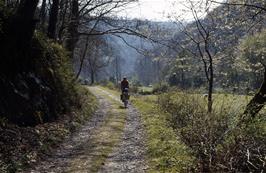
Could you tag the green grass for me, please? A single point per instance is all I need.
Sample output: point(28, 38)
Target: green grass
point(166, 153)
point(145, 89)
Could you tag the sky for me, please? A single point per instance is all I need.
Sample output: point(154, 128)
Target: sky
point(160, 10)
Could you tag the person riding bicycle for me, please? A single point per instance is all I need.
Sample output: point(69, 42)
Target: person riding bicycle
point(124, 84)
point(124, 88)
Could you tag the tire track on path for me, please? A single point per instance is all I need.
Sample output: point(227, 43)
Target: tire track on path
point(129, 155)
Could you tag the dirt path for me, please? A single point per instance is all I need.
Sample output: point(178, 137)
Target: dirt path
point(128, 156)
point(112, 141)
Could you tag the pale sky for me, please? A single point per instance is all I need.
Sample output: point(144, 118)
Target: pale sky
point(160, 10)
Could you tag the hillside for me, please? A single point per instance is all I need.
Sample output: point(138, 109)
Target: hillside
point(227, 26)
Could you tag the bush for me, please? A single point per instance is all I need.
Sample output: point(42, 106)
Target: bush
point(244, 149)
point(212, 136)
point(53, 68)
point(197, 128)
point(43, 90)
point(109, 84)
point(160, 88)
point(133, 89)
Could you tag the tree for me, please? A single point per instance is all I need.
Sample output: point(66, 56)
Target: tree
point(202, 40)
point(53, 19)
point(42, 15)
point(253, 8)
point(253, 52)
point(85, 17)
point(93, 54)
point(17, 41)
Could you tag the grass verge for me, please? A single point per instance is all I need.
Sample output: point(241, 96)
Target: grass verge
point(166, 153)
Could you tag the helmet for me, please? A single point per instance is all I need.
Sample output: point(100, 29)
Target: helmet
point(124, 78)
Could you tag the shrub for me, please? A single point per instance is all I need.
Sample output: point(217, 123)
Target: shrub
point(110, 85)
point(197, 128)
point(244, 149)
point(53, 68)
point(160, 88)
point(133, 89)
point(43, 90)
point(212, 137)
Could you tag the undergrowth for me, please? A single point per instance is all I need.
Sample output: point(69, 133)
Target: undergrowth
point(21, 147)
point(218, 141)
point(40, 106)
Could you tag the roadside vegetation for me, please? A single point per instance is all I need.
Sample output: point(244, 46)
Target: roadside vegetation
point(219, 140)
point(166, 152)
point(22, 147)
point(200, 86)
point(183, 137)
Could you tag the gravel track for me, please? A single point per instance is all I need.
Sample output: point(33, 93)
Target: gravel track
point(127, 156)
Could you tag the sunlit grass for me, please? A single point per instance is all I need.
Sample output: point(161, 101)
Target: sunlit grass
point(166, 153)
point(145, 89)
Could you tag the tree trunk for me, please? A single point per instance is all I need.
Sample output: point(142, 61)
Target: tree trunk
point(64, 6)
point(92, 77)
point(73, 27)
point(258, 101)
point(53, 17)
point(83, 57)
point(43, 15)
point(210, 89)
point(16, 40)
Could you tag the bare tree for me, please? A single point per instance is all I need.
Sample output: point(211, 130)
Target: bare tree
point(202, 40)
point(83, 13)
point(83, 57)
point(96, 54)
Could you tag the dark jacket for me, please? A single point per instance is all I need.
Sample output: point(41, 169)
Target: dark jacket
point(124, 84)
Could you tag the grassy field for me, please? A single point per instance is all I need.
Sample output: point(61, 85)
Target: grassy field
point(145, 89)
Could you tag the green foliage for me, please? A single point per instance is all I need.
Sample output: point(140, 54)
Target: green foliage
point(253, 51)
point(250, 60)
point(43, 91)
point(109, 84)
point(160, 88)
point(53, 66)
